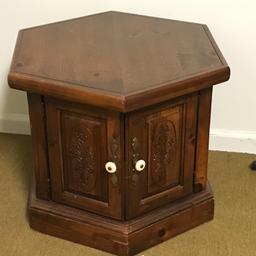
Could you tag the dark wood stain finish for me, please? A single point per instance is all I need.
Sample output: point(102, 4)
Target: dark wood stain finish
point(39, 141)
point(119, 88)
point(119, 60)
point(203, 129)
point(168, 152)
point(121, 237)
point(77, 156)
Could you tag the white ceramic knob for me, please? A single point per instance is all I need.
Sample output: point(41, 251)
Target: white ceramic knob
point(140, 165)
point(110, 167)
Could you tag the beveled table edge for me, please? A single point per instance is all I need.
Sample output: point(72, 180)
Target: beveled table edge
point(120, 102)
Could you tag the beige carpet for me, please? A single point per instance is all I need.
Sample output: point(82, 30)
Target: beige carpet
point(232, 232)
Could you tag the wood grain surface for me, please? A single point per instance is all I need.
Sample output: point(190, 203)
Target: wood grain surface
point(117, 60)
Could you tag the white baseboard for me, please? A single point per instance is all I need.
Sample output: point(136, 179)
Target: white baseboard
point(15, 123)
point(223, 140)
point(233, 141)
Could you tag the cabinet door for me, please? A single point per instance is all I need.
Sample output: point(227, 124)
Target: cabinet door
point(81, 140)
point(164, 138)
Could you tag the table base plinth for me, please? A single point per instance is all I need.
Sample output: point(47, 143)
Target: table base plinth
point(121, 237)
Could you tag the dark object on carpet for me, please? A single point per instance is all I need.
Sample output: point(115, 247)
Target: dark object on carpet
point(253, 166)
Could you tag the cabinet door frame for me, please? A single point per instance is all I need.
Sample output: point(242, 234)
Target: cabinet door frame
point(136, 203)
point(112, 207)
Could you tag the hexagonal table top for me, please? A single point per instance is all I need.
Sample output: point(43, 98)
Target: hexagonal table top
point(117, 60)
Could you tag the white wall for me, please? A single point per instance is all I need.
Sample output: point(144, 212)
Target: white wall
point(232, 23)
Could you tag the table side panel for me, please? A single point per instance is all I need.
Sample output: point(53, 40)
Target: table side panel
point(203, 129)
point(39, 142)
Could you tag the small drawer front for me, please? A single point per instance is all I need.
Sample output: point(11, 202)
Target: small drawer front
point(163, 137)
point(81, 142)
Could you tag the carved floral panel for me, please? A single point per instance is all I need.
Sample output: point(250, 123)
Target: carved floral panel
point(164, 145)
point(83, 154)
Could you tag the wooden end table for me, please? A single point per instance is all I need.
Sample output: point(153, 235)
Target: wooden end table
point(119, 107)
